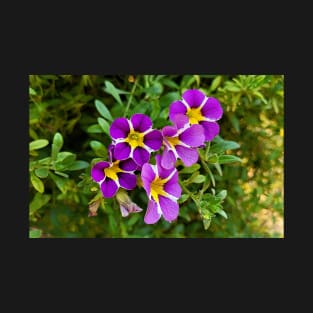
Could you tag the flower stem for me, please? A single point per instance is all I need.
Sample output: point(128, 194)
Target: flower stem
point(130, 97)
point(207, 169)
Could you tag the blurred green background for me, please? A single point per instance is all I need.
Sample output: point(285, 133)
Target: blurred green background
point(69, 119)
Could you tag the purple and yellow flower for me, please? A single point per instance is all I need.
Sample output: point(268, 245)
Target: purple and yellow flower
point(200, 110)
point(135, 138)
point(181, 141)
point(163, 190)
point(114, 174)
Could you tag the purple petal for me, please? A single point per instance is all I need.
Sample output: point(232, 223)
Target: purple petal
point(169, 131)
point(163, 172)
point(211, 130)
point(168, 159)
point(119, 128)
point(110, 152)
point(152, 215)
point(153, 140)
point(180, 120)
point(212, 109)
point(128, 165)
point(189, 156)
point(127, 181)
point(141, 156)
point(141, 122)
point(122, 151)
point(193, 97)
point(170, 209)
point(147, 176)
point(97, 171)
point(193, 136)
point(177, 107)
point(109, 188)
point(172, 186)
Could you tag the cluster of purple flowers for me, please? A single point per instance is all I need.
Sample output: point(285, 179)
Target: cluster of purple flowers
point(133, 140)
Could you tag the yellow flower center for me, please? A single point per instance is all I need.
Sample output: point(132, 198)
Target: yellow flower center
point(173, 141)
point(195, 115)
point(157, 188)
point(135, 139)
point(112, 171)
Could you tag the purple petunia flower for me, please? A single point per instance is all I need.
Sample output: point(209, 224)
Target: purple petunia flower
point(181, 141)
point(114, 174)
point(200, 110)
point(163, 190)
point(135, 138)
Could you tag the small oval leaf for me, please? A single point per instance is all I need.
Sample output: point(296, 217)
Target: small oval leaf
point(38, 144)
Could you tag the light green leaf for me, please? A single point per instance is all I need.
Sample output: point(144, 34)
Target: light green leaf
point(199, 179)
point(35, 233)
point(104, 125)
point(32, 91)
point(183, 198)
point(228, 159)
point(223, 146)
point(56, 145)
point(38, 144)
point(37, 183)
point(62, 174)
point(95, 128)
point(110, 89)
point(42, 172)
point(222, 194)
point(103, 110)
point(38, 201)
point(98, 148)
point(223, 213)
point(59, 181)
point(191, 169)
point(78, 165)
point(216, 82)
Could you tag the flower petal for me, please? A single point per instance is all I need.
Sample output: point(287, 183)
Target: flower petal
point(128, 165)
point(177, 107)
point(193, 97)
point(189, 156)
point(170, 209)
point(211, 130)
point(193, 136)
point(141, 156)
point(169, 131)
point(162, 172)
point(212, 109)
point(119, 128)
point(127, 180)
point(109, 188)
point(180, 120)
point(172, 186)
point(147, 176)
point(153, 140)
point(122, 151)
point(168, 159)
point(141, 122)
point(152, 215)
point(110, 152)
point(97, 171)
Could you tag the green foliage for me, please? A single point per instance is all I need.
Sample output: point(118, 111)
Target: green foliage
point(235, 189)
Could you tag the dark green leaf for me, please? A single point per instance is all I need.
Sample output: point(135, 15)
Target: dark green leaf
point(38, 144)
point(110, 89)
point(95, 128)
point(98, 148)
point(37, 183)
point(62, 174)
point(228, 159)
point(78, 165)
point(103, 110)
point(190, 169)
point(223, 146)
point(59, 181)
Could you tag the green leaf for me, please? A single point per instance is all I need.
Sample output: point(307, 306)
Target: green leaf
point(32, 91)
point(223, 146)
point(213, 158)
point(37, 183)
point(104, 125)
point(234, 121)
point(110, 89)
point(191, 169)
point(183, 198)
point(56, 145)
point(199, 179)
point(38, 144)
point(59, 181)
point(216, 82)
point(207, 223)
point(223, 213)
point(95, 128)
point(38, 201)
point(103, 110)
point(222, 194)
point(64, 160)
point(222, 159)
point(42, 172)
point(78, 165)
point(62, 174)
point(35, 233)
point(98, 148)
